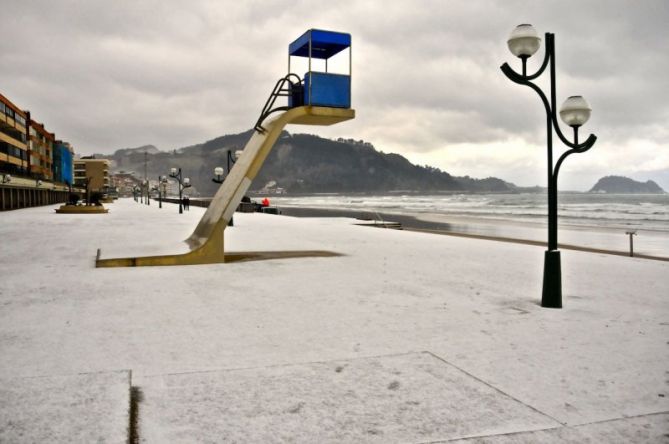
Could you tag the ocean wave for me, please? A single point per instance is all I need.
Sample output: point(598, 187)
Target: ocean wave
point(646, 211)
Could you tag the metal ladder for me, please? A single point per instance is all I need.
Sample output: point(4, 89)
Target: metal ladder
point(285, 87)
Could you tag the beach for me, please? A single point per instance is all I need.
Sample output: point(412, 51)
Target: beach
point(590, 222)
point(404, 336)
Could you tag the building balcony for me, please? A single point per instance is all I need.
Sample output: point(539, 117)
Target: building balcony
point(8, 122)
point(12, 141)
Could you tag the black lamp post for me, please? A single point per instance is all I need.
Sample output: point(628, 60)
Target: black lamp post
point(156, 189)
point(231, 159)
point(218, 175)
point(218, 172)
point(147, 187)
point(218, 178)
point(523, 43)
point(162, 180)
point(183, 183)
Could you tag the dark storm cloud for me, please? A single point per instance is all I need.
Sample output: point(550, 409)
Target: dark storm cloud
point(106, 75)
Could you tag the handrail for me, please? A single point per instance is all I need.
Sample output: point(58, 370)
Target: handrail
point(280, 90)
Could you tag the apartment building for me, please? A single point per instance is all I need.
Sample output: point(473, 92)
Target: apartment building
point(13, 139)
point(63, 155)
point(97, 170)
point(27, 168)
point(40, 145)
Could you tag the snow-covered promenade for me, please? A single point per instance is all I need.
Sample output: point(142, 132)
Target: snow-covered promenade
point(406, 337)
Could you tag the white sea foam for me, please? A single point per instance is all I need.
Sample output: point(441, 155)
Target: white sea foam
point(645, 212)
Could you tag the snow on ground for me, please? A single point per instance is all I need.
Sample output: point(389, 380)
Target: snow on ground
point(77, 408)
point(401, 398)
point(471, 304)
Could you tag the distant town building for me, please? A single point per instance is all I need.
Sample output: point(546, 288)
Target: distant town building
point(125, 181)
point(95, 169)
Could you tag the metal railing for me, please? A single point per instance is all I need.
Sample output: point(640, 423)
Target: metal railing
point(285, 87)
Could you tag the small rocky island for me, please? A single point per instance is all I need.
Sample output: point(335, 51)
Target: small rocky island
point(625, 185)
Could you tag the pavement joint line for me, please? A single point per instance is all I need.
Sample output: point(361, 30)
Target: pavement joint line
point(467, 438)
point(601, 421)
point(561, 424)
point(288, 364)
point(536, 243)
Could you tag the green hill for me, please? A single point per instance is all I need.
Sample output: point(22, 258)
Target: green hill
point(304, 163)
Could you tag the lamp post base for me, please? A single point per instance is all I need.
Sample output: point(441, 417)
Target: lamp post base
point(552, 291)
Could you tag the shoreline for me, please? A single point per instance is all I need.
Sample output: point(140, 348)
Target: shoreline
point(458, 228)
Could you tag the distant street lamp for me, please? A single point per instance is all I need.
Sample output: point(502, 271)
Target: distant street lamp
point(148, 191)
point(156, 189)
point(183, 183)
point(575, 111)
point(231, 159)
point(218, 178)
point(218, 175)
point(163, 186)
point(162, 180)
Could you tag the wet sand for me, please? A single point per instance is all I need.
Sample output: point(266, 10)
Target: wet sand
point(462, 227)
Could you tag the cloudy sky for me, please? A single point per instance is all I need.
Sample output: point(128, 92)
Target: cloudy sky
point(426, 80)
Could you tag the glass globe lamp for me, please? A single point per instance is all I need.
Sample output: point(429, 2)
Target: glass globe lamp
point(524, 41)
point(575, 111)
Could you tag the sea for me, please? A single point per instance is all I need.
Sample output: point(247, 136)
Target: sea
point(585, 219)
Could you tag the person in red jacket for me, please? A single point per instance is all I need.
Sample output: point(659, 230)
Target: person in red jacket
point(265, 202)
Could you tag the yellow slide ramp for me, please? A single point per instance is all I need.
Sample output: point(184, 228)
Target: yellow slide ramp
point(206, 243)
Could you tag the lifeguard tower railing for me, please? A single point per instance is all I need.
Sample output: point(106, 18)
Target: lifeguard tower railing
point(317, 88)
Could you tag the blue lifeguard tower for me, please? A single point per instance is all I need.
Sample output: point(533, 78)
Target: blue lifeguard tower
point(321, 97)
point(318, 87)
point(322, 88)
